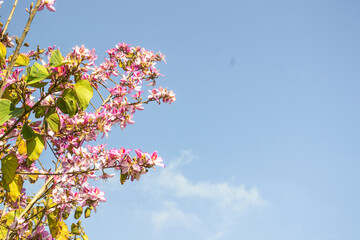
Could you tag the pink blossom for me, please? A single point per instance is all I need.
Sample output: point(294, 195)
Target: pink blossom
point(48, 4)
point(8, 41)
point(138, 153)
point(40, 233)
point(125, 76)
point(156, 160)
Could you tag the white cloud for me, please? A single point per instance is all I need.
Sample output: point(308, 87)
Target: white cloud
point(197, 205)
point(171, 215)
point(224, 195)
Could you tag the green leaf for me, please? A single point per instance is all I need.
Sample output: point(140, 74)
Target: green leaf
point(11, 94)
point(21, 146)
point(123, 178)
point(22, 60)
point(54, 121)
point(2, 50)
point(40, 111)
point(84, 92)
point(65, 215)
point(3, 232)
point(78, 212)
point(75, 229)
point(8, 110)
point(60, 103)
point(85, 237)
point(11, 215)
point(39, 84)
point(27, 132)
point(33, 178)
point(14, 188)
point(87, 212)
point(68, 103)
point(63, 233)
point(56, 59)
point(37, 73)
point(9, 165)
point(52, 221)
point(58, 229)
point(34, 147)
point(7, 220)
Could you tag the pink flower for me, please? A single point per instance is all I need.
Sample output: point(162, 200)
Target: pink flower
point(49, 5)
point(125, 164)
point(157, 160)
point(138, 153)
point(8, 41)
point(135, 67)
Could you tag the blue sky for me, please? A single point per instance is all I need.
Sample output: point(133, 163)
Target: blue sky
point(263, 140)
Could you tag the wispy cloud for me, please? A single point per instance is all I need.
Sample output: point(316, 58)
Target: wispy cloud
point(197, 206)
point(171, 215)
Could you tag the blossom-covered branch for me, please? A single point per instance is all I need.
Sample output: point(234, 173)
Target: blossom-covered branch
point(60, 119)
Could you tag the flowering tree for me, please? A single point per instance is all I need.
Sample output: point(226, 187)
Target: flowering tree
point(45, 98)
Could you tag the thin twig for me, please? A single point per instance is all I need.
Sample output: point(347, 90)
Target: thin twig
point(41, 165)
point(18, 46)
point(22, 116)
point(9, 18)
point(92, 105)
point(50, 180)
point(3, 212)
point(112, 81)
point(104, 86)
point(100, 94)
point(52, 150)
point(67, 173)
point(104, 102)
point(37, 196)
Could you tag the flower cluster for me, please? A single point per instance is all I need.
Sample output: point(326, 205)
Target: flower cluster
point(46, 102)
point(60, 119)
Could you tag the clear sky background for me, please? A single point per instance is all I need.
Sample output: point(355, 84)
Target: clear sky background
point(263, 140)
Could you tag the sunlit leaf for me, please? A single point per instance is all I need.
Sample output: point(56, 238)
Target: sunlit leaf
point(63, 232)
point(75, 229)
point(67, 104)
point(2, 50)
point(78, 212)
point(56, 59)
point(37, 73)
point(8, 110)
point(21, 145)
point(54, 121)
point(9, 165)
point(84, 92)
point(14, 188)
point(33, 178)
point(35, 147)
point(11, 94)
point(87, 212)
point(58, 229)
point(3, 232)
point(22, 60)
point(7, 220)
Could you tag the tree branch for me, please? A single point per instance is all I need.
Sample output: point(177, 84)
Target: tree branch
point(9, 18)
point(18, 46)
